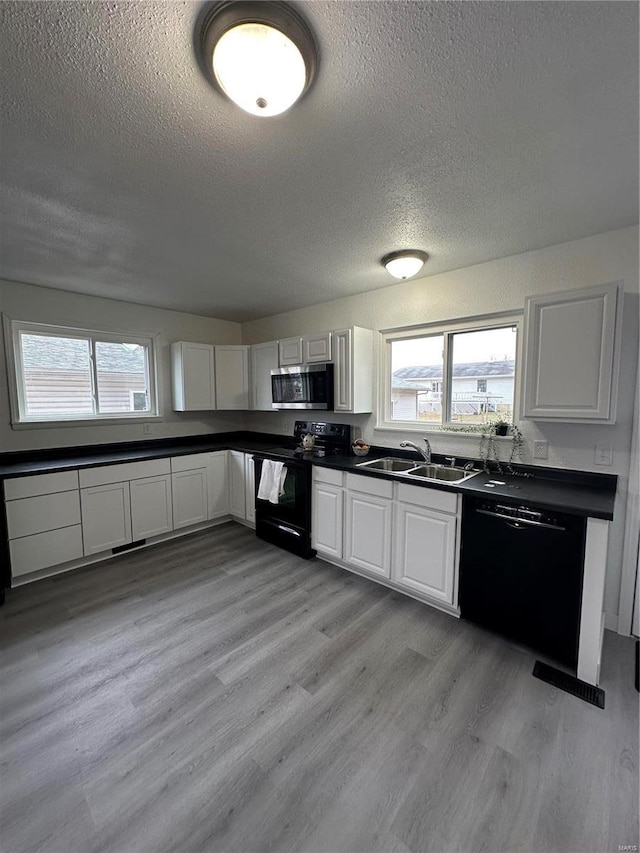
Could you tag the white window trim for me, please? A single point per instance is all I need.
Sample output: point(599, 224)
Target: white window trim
point(480, 323)
point(12, 330)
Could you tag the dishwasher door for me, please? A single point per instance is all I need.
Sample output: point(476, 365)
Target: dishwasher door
point(521, 574)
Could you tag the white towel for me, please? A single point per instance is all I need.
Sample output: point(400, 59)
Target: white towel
point(271, 481)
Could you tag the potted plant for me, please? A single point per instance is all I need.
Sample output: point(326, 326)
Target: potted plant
point(500, 426)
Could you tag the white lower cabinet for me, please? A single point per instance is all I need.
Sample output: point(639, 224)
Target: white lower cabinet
point(151, 507)
point(326, 526)
point(367, 541)
point(242, 501)
point(249, 489)
point(106, 517)
point(404, 533)
point(424, 553)
point(237, 501)
point(327, 510)
point(42, 550)
point(189, 490)
point(217, 484)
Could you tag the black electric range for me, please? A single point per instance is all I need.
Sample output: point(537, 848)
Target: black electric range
point(286, 521)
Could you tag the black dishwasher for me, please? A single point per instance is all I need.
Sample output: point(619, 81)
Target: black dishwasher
point(521, 574)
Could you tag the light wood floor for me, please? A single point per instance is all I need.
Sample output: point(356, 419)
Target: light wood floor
point(218, 694)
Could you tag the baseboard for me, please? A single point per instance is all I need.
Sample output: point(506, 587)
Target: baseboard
point(82, 562)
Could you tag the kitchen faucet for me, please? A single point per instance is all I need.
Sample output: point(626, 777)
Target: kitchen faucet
point(426, 454)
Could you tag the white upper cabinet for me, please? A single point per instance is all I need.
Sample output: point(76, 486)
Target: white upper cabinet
point(353, 370)
point(264, 359)
point(232, 377)
point(290, 351)
point(193, 377)
point(572, 351)
point(316, 348)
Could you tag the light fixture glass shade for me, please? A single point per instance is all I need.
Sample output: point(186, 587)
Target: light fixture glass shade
point(259, 68)
point(404, 264)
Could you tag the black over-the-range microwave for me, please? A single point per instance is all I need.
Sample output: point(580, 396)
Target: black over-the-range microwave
point(304, 386)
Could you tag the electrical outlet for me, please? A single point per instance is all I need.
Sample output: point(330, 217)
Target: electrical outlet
point(603, 454)
point(540, 449)
point(147, 429)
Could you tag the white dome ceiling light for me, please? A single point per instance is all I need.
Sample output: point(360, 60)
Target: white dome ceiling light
point(404, 264)
point(260, 54)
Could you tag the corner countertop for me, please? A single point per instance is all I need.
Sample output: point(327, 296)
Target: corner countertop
point(574, 492)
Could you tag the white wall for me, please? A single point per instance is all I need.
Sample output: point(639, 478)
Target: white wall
point(496, 286)
point(44, 305)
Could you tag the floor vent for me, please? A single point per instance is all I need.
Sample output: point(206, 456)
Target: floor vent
point(569, 683)
point(128, 546)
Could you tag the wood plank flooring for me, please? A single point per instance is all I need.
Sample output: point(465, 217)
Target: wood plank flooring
point(219, 694)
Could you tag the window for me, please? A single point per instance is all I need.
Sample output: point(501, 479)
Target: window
point(462, 374)
point(72, 374)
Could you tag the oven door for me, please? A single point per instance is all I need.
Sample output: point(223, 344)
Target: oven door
point(287, 523)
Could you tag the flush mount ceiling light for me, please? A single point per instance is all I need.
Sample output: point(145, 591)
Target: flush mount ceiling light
point(260, 54)
point(405, 263)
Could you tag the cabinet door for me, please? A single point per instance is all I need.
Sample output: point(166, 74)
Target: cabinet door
point(290, 350)
point(106, 517)
point(342, 390)
point(368, 534)
point(218, 484)
point(249, 489)
point(151, 506)
point(424, 553)
point(316, 348)
point(189, 489)
point(326, 525)
point(193, 377)
point(232, 377)
point(237, 501)
point(44, 512)
point(571, 355)
point(264, 359)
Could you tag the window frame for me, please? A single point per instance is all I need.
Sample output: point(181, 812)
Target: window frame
point(15, 373)
point(447, 329)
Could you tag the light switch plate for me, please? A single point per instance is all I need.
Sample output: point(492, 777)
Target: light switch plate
point(603, 454)
point(540, 449)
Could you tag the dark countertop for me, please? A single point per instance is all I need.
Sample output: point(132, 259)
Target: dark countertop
point(64, 459)
point(574, 492)
point(581, 494)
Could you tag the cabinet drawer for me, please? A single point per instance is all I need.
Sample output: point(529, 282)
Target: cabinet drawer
point(370, 485)
point(328, 475)
point(106, 474)
point(40, 484)
point(45, 549)
point(430, 498)
point(190, 462)
point(45, 512)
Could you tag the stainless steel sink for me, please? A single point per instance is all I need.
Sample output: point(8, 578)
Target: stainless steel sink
point(406, 468)
point(441, 472)
point(388, 463)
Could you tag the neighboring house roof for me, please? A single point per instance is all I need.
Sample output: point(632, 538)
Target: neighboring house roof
point(471, 369)
point(405, 384)
point(47, 353)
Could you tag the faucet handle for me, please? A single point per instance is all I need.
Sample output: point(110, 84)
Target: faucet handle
point(451, 459)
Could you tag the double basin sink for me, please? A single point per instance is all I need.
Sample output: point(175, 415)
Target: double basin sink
point(418, 471)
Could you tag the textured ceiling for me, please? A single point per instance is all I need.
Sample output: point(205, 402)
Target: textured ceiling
point(472, 130)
